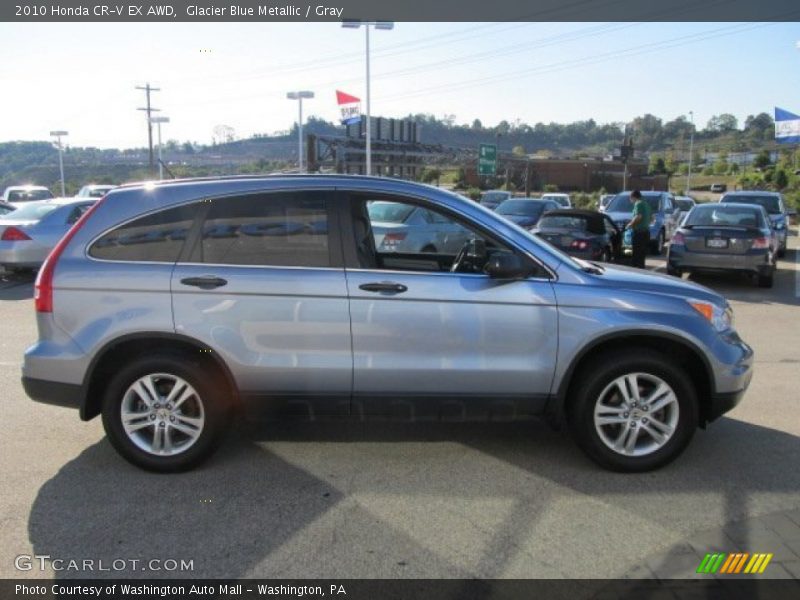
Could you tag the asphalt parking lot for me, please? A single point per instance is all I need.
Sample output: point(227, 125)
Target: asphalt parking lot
point(348, 500)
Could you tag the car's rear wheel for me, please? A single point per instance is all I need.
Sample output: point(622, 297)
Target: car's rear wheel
point(636, 415)
point(782, 252)
point(163, 413)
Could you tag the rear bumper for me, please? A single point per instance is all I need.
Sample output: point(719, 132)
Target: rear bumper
point(53, 392)
point(708, 261)
point(22, 254)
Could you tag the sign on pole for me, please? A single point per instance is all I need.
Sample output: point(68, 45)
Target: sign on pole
point(487, 159)
point(350, 106)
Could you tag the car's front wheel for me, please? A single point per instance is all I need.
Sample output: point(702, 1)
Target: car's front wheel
point(163, 413)
point(633, 412)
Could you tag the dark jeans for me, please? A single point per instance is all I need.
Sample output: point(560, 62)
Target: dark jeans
point(641, 243)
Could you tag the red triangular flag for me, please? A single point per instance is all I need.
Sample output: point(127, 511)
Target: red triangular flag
point(342, 98)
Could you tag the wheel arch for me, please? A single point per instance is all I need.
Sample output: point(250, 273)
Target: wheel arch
point(118, 351)
point(688, 355)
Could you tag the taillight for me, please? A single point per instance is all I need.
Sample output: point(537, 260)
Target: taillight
point(579, 245)
point(760, 243)
point(12, 234)
point(43, 289)
point(678, 239)
point(392, 239)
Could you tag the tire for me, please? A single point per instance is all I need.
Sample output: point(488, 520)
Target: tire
point(766, 281)
point(781, 252)
point(674, 272)
point(192, 424)
point(658, 246)
point(598, 392)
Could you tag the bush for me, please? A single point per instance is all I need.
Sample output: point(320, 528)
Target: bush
point(550, 187)
point(781, 179)
point(473, 193)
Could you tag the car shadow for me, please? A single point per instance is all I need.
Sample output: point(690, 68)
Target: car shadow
point(16, 286)
point(307, 482)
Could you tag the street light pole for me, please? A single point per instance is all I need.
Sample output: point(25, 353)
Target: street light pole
point(58, 135)
point(299, 97)
point(368, 129)
point(158, 121)
point(691, 155)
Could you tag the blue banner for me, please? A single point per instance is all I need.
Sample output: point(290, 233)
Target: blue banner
point(787, 127)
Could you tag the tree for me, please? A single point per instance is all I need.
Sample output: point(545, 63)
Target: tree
point(429, 175)
point(657, 165)
point(758, 124)
point(723, 123)
point(518, 151)
point(762, 160)
point(477, 125)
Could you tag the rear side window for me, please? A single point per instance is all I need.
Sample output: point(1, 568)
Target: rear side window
point(283, 229)
point(157, 237)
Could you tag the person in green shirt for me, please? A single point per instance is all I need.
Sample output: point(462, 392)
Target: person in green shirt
point(640, 224)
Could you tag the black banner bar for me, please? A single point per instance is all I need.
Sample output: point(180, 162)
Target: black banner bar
point(405, 10)
point(733, 587)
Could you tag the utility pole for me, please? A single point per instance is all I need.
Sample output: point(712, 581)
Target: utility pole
point(691, 152)
point(149, 110)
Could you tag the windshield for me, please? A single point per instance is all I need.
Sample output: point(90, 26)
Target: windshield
point(771, 203)
point(31, 212)
point(522, 208)
point(563, 222)
point(389, 212)
point(622, 202)
point(715, 215)
point(28, 195)
point(684, 204)
point(495, 196)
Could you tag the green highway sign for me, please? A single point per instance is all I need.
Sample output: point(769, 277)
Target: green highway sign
point(487, 159)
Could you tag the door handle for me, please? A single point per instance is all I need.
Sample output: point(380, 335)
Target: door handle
point(384, 286)
point(205, 283)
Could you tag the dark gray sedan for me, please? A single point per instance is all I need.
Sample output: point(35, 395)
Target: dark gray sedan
point(586, 234)
point(725, 237)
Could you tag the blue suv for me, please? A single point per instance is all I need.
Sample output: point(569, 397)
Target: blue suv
point(168, 307)
point(666, 215)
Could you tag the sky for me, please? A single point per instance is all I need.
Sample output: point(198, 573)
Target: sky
point(81, 77)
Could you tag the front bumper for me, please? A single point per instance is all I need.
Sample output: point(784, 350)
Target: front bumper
point(733, 374)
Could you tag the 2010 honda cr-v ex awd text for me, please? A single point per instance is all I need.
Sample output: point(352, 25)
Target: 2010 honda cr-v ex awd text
point(168, 307)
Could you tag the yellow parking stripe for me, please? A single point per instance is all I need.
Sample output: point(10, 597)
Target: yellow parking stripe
point(754, 562)
point(766, 562)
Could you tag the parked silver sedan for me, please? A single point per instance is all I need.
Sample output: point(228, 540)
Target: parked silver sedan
point(405, 228)
point(29, 233)
point(725, 237)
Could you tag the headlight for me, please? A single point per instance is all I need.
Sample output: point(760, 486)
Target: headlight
point(779, 225)
point(721, 319)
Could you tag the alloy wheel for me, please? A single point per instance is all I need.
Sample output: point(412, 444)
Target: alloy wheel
point(162, 414)
point(636, 414)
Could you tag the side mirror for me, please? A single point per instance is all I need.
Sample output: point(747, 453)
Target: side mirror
point(507, 266)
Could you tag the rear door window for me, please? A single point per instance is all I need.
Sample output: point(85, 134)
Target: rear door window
point(157, 237)
point(282, 229)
